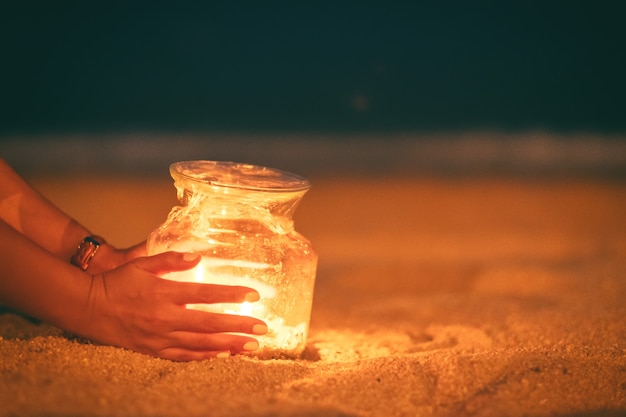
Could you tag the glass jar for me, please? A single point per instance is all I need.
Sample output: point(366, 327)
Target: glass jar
point(240, 218)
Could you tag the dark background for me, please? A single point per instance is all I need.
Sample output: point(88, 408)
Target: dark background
point(351, 67)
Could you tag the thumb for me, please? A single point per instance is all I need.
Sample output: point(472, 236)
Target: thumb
point(163, 263)
point(137, 251)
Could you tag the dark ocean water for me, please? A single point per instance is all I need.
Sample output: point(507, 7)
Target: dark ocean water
point(349, 67)
point(477, 153)
point(371, 73)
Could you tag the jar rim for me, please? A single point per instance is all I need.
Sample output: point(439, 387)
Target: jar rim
point(239, 175)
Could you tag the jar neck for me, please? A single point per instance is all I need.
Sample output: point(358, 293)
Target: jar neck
point(272, 209)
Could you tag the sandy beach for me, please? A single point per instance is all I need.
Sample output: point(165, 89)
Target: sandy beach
point(482, 296)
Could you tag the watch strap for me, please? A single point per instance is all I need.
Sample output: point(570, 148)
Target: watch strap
point(86, 251)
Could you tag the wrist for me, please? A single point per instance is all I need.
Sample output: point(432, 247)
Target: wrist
point(105, 260)
point(86, 251)
point(72, 237)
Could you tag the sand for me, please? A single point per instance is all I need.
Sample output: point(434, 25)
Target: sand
point(434, 297)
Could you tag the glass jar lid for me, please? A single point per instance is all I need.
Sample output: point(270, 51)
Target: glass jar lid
point(239, 175)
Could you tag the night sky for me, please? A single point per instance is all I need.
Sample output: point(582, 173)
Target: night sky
point(71, 67)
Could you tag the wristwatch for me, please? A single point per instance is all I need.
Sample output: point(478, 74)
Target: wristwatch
point(86, 250)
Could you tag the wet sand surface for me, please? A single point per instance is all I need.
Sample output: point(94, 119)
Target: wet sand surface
point(434, 297)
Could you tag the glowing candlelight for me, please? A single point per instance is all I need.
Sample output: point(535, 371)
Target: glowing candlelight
point(239, 217)
point(280, 336)
point(198, 275)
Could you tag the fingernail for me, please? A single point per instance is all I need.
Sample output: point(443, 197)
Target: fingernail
point(190, 256)
point(259, 329)
point(252, 345)
point(252, 296)
point(223, 355)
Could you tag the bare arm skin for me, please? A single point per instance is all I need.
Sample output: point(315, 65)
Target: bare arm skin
point(32, 215)
point(122, 301)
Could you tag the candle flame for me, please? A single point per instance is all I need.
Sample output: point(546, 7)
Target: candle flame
point(243, 309)
point(246, 308)
point(199, 274)
point(281, 336)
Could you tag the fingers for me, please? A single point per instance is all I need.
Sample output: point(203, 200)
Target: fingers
point(175, 332)
point(213, 344)
point(167, 262)
point(186, 346)
point(198, 335)
point(204, 322)
point(136, 251)
point(208, 335)
point(197, 293)
point(178, 354)
point(192, 293)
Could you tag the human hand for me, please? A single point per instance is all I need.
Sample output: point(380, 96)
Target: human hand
point(109, 257)
point(133, 307)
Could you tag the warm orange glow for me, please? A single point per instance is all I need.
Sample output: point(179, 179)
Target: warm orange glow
point(239, 218)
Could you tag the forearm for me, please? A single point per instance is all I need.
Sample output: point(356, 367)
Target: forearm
point(32, 215)
point(37, 283)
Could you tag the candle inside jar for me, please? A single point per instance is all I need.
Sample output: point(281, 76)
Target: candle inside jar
point(239, 217)
point(281, 337)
